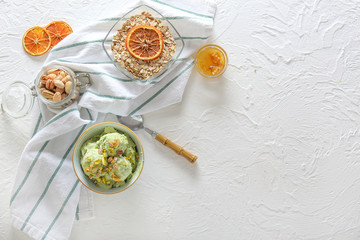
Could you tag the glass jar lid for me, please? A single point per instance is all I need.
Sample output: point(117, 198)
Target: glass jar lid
point(18, 99)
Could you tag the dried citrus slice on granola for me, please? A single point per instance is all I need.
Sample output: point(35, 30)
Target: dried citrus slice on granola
point(58, 30)
point(36, 41)
point(144, 42)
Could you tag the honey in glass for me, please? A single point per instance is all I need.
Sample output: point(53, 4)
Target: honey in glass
point(211, 61)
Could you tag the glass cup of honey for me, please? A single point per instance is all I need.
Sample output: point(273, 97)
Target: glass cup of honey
point(211, 61)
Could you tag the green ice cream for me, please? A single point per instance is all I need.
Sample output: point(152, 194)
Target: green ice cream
point(109, 159)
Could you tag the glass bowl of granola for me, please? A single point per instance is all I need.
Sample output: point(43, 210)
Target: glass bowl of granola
point(143, 45)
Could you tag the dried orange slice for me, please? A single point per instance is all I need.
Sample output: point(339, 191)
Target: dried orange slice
point(144, 42)
point(58, 30)
point(36, 41)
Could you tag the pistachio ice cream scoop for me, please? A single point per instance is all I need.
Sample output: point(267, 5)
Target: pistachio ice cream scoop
point(109, 159)
point(113, 143)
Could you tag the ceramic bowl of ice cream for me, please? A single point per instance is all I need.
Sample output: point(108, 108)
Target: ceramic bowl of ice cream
point(108, 158)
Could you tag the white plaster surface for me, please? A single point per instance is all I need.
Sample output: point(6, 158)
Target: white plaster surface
point(277, 135)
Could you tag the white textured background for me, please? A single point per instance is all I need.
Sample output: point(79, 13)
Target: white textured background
point(277, 136)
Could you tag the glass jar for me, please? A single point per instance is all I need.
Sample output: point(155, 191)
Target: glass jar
point(211, 61)
point(18, 98)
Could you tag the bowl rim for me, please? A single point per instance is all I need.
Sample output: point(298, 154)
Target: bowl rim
point(149, 80)
point(73, 164)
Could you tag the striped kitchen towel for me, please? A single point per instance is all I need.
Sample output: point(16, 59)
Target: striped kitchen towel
point(47, 197)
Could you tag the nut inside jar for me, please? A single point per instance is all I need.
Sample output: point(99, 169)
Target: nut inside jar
point(58, 86)
point(55, 85)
